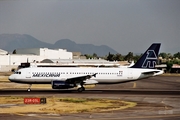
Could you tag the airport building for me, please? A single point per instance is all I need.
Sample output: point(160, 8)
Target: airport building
point(76, 63)
point(46, 53)
point(44, 57)
point(9, 61)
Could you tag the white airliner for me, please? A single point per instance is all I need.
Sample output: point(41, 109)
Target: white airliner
point(71, 77)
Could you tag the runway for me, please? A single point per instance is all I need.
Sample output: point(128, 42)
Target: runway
point(160, 85)
point(157, 98)
point(89, 92)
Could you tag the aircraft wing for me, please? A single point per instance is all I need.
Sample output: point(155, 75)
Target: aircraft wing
point(80, 79)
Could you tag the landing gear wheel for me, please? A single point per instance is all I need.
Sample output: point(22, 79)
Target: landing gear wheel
point(81, 89)
point(29, 89)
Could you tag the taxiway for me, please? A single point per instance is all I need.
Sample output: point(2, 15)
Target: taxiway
point(157, 98)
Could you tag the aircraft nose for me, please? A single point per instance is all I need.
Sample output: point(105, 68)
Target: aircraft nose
point(11, 77)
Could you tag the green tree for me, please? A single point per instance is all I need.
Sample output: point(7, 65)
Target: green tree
point(169, 66)
point(129, 56)
point(110, 57)
point(177, 55)
point(169, 56)
point(95, 56)
point(176, 61)
point(136, 58)
point(118, 57)
point(163, 55)
point(88, 56)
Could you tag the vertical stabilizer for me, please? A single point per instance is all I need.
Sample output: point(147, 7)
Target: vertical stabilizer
point(149, 58)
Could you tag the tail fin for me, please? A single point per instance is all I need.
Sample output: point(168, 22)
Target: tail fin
point(149, 58)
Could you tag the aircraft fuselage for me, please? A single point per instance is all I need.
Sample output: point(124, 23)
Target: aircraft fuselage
point(39, 75)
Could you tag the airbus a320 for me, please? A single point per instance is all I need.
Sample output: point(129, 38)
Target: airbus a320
point(76, 77)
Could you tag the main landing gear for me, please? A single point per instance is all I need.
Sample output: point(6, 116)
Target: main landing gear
point(81, 89)
point(29, 89)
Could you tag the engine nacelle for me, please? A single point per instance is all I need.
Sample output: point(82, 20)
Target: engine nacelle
point(90, 82)
point(58, 84)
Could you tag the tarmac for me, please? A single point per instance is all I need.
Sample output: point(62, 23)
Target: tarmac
point(157, 98)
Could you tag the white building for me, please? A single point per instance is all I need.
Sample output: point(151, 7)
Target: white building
point(77, 62)
point(9, 61)
point(47, 53)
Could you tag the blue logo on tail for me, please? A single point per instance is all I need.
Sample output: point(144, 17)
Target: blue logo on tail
point(150, 60)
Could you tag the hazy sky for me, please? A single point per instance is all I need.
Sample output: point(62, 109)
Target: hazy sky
point(124, 25)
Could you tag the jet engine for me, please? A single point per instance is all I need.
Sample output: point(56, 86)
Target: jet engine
point(58, 84)
point(90, 82)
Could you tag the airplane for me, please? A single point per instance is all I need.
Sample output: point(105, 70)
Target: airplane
point(76, 77)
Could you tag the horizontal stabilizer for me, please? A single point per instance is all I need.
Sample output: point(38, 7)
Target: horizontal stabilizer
point(149, 73)
point(154, 73)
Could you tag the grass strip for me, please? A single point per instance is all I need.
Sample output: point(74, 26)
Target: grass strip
point(59, 105)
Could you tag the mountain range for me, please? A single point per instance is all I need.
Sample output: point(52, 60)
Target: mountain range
point(10, 42)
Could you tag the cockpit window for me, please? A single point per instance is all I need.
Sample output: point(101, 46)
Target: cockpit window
point(17, 72)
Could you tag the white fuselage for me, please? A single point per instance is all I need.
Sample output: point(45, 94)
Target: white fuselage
point(44, 75)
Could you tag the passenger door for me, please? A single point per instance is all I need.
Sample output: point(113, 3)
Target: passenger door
point(28, 73)
point(130, 74)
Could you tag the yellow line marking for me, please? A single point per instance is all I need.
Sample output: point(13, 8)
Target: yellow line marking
point(134, 85)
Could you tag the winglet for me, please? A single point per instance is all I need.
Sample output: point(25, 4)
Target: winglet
point(149, 58)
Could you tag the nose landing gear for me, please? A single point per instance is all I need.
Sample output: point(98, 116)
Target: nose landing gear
point(29, 89)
